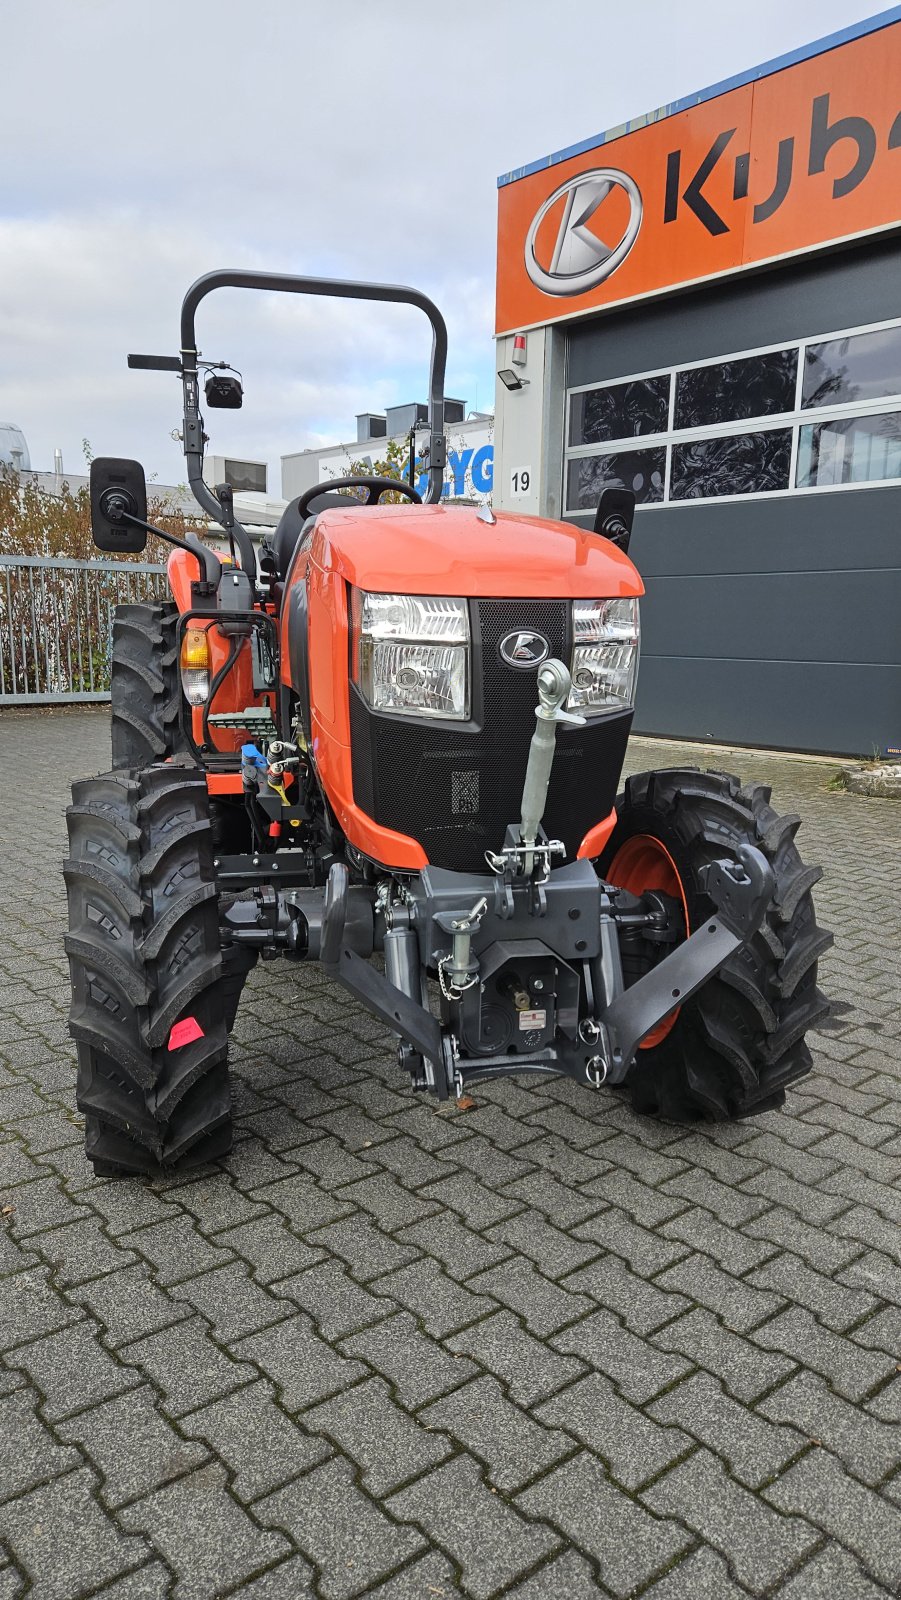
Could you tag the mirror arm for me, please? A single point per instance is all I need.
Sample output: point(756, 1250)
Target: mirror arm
point(210, 565)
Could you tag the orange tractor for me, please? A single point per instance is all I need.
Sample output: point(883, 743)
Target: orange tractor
point(397, 731)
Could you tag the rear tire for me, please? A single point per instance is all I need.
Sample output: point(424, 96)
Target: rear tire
point(145, 691)
point(148, 993)
point(737, 1044)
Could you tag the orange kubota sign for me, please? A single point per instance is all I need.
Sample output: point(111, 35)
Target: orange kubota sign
point(803, 157)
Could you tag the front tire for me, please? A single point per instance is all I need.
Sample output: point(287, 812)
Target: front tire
point(735, 1046)
point(148, 1001)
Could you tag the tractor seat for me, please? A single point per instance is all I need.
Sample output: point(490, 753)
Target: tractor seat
point(290, 527)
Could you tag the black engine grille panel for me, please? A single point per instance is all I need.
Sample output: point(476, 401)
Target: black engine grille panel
point(455, 788)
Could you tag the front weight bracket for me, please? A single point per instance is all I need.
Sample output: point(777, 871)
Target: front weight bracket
point(740, 891)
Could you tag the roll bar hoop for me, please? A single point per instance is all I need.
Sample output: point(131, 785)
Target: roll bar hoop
point(287, 283)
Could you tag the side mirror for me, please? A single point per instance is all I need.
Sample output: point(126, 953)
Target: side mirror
point(223, 390)
point(614, 515)
point(118, 488)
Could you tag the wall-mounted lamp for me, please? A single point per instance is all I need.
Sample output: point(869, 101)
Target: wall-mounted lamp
point(511, 379)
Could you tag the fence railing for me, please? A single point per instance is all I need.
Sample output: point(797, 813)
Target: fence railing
point(56, 624)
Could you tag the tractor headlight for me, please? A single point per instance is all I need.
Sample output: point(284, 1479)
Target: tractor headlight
point(604, 663)
point(411, 654)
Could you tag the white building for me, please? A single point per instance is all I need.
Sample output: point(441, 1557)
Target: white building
point(469, 474)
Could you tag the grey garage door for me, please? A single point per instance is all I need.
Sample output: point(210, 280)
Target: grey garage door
point(759, 423)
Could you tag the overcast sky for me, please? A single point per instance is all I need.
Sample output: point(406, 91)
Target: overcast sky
point(147, 141)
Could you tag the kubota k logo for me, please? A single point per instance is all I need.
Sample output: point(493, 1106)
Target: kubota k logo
point(583, 257)
point(524, 649)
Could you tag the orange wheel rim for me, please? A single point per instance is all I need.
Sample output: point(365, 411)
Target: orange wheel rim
point(640, 864)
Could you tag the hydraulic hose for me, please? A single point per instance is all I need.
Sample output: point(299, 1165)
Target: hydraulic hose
point(233, 648)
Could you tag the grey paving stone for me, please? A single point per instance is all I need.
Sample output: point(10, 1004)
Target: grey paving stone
point(492, 1545)
point(648, 1207)
point(29, 1307)
point(387, 1444)
point(330, 1162)
point(216, 1202)
point(819, 1488)
point(632, 1446)
point(483, 1159)
point(863, 1224)
point(637, 1368)
point(63, 1540)
point(261, 1446)
point(298, 1198)
point(851, 1370)
point(703, 1575)
point(349, 1539)
point(880, 1275)
point(760, 1547)
point(570, 1575)
point(544, 1306)
point(389, 1202)
point(530, 1370)
point(270, 1248)
point(461, 1250)
point(645, 1250)
point(477, 1204)
point(555, 1252)
point(831, 1572)
point(823, 1249)
point(148, 1583)
point(868, 1447)
point(31, 1455)
point(881, 1332)
point(302, 1365)
point(561, 1205)
point(734, 1300)
point(203, 1534)
point(187, 1365)
point(129, 1204)
point(628, 1543)
point(813, 1203)
point(642, 1306)
point(291, 1578)
point(72, 1370)
point(753, 1449)
point(337, 1304)
point(830, 1301)
point(701, 1148)
point(129, 1304)
point(430, 1576)
point(441, 1305)
point(512, 1447)
point(132, 1445)
point(12, 1584)
point(231, 1302)
point(250, 1162)
point(745, 1369)
point(731, 1248)
point(367, 1250)
point(176, 1249)
point(733, 1206)
point(417, 1367)
point(412, 1165)
point(16, 1166)
point(80, 1251)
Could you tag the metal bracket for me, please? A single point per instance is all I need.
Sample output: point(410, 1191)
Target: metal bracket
point(740, 891)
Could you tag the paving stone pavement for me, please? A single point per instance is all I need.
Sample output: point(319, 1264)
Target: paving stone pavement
point(539, 1348)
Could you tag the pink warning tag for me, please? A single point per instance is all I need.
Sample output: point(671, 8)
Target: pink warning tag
point(184, 1032)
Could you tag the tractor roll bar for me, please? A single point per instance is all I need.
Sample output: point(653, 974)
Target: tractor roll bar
point(288, 283)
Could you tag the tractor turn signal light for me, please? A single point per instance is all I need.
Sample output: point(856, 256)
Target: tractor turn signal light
point(195, 666)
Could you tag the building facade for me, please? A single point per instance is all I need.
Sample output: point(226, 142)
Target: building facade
point(710, 300)
point(469, 474)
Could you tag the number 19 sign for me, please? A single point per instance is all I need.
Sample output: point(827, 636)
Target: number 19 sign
point(520, 483)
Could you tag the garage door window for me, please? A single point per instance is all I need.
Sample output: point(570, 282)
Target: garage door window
point(824, 413)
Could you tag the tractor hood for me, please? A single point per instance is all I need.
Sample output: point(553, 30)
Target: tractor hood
point(452, 550)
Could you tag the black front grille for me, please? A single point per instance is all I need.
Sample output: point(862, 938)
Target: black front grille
point(456, 788)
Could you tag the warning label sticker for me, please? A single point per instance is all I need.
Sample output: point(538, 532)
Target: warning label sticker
point(532, 1019)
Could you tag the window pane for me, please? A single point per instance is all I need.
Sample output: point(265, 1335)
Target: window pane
point(866, 366)
point(755, 386)
point(850, 450)
point(642, 471)
point(619, 411)
point(744, 463)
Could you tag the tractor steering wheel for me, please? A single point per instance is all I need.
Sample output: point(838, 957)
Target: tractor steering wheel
point(376, 486)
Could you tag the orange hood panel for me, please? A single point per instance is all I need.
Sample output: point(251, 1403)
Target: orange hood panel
point(450, 550)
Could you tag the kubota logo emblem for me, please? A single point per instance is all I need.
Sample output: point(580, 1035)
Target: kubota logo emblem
point(582, 256)
point(524, 649)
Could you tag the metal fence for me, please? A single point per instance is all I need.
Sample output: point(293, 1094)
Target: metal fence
point(56, 624)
